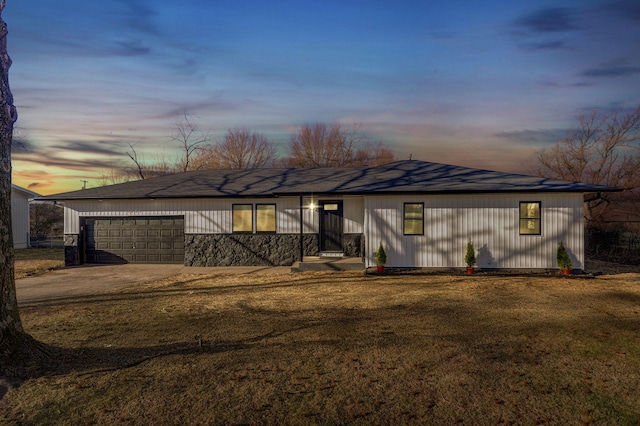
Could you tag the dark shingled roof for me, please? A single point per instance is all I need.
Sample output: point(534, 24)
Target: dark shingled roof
point(401, 177)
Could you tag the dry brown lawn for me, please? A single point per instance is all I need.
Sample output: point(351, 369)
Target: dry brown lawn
point(35, 261)
point(340, 348)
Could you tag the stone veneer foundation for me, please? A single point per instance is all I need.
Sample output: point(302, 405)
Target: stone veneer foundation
point(257, 249)
point(240, 249)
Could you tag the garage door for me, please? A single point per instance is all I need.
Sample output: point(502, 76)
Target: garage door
point(134, 240)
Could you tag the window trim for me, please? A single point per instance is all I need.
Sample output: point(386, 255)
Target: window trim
point(404, 217)
point(275, 218)
point(233, 225)
point(521, 218)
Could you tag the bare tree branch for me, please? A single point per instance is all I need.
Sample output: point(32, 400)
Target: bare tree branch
point(319, 145)
point(188, 136)
point(239, 149)
point(139, 167)
point(605, 150)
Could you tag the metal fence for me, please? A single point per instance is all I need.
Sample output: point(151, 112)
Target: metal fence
point(46, 241)
point(617, 241)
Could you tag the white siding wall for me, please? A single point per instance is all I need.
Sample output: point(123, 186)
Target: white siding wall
point(20, 218)
point(213, 216)
point(353, 215)
point(491, 222)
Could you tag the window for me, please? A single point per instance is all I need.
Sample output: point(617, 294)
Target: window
point(265, 218)
point(242, 218)
point(530, 218)
point(330, 207)
point(413, 222)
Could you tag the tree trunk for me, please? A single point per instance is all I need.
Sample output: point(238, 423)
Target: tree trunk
point(14, 341)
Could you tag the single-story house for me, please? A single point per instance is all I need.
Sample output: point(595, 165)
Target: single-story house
point(423, 214)
point(20, 215)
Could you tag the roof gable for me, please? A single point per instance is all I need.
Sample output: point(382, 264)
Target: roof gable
point(24, 191)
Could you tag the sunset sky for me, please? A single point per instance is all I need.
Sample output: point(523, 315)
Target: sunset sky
point(478, 84)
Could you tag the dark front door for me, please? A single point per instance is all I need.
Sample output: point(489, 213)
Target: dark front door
point(331, 226)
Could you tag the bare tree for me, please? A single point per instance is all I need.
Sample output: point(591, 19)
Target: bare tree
point(16, 346)
point(239, 149)
point(373, 154)
point(604, 150)
point(319, 145)
point(139, 166)
point(142, 169)
point(190, 140)
point(115, 174)
point(45, 218)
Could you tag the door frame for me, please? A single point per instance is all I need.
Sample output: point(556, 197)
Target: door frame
point(321, 239)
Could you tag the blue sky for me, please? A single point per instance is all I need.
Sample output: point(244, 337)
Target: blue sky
point(479, 84)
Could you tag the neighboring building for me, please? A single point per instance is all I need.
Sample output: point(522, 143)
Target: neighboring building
point(423, 213)
point(20, 215)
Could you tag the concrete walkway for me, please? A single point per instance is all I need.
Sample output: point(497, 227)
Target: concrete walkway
point(99, 279)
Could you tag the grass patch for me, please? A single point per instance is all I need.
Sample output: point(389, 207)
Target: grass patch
point(336, 348)
point(34, 261)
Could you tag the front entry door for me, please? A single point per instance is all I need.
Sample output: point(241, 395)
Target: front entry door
point(331, 226)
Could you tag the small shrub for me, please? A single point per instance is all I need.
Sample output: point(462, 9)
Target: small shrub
point(381, 256)
point(563, 258)
point(470, 255)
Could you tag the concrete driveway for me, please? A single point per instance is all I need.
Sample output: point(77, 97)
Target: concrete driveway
point(99, 279)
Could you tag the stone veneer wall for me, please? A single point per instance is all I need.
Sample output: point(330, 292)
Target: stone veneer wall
point(71, 250)
point(246, 249)
point(353, 245)
point(257, 249)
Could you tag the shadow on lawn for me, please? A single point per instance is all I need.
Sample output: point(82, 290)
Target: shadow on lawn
point(87, 361)
point(496, 327)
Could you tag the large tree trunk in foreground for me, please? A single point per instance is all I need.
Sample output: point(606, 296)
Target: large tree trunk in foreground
point(15, 344)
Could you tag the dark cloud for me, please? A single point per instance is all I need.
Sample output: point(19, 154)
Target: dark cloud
point(550, 20)
point(629, 9)
point(545, 45)
point(441, 35)
point(131, 48)
point(612, 71)
point(209, 106)
point(544, 29)
point(559, 85)
point(534, 137)
point(35, 185)
point(91, 47)
point(614, 107)
point(139, 16)
point(21, 144)
point(92, 148)
point(127, 48)
point(73, 155)
point(57, 159)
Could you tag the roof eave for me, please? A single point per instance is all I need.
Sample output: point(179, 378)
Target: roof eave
point(334, 193)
